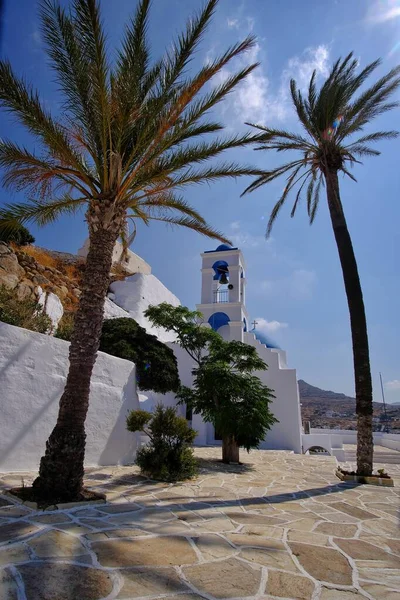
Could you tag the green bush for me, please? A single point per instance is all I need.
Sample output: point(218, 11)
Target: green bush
point(168, 456)
point(19, 235)
point(22, 313)
point(156, 365)
point(65, 327)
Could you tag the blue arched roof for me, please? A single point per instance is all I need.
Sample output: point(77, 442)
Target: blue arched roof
point(264, 339)
point(222, 247)
point(218, 319)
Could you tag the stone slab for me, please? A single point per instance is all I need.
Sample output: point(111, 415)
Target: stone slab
point(64, 582)
point(323, 563)
point(286, 585)
point(12, 531)
point(56, 544)
point(270, 557)
point(165, 551)
point(225, 579)
point(150, 582)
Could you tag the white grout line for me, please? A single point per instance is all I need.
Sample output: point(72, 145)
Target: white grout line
point(21, 595)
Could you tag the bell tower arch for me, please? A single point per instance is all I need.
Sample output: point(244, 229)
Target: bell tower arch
point(223, 286)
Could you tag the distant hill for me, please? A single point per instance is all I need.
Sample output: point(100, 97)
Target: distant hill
point(310, 391)
point(324, 408)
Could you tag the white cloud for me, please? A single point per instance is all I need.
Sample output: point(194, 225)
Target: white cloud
point(233, 23)
point(383, 11)
point(301, 67)
point(269, 326)
point(235, 225)
point(255, 101)
point(393, 385)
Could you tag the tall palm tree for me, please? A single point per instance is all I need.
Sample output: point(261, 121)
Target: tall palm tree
point(126, 141)
point(330, 117)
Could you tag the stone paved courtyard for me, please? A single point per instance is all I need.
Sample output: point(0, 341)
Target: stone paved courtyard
point(278, 526)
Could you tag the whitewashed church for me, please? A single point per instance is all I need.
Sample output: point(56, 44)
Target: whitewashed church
point(34, 366)
point(223, 305)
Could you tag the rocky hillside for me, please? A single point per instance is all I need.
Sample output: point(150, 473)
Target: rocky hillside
point(26, 269)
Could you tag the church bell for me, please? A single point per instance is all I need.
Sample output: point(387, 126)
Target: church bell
point(223, 279)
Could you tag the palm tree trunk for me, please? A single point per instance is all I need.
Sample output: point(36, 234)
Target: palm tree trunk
point(61, 468)
point(359, 334)
point(230, 450)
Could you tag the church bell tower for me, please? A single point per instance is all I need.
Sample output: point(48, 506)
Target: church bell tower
point(223, 292)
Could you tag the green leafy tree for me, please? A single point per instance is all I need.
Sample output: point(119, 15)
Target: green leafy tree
point(168, 455)
point(332, 117)
point(156, 364)
point(225, 390)
point(133, 132)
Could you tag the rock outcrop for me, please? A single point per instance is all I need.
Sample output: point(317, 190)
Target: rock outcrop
point(21, 272)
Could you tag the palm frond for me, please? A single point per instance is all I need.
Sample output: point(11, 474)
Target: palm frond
point(291, 181)
point(41, 213)
point(167, 201)
point(330, 115)
point(298, 195)
point(315, 201)
point(185, 46)
point(21, 101)
point(71, 67)
point(375, 137)
point(25, 171)
point(268, 176)
point(194, 224)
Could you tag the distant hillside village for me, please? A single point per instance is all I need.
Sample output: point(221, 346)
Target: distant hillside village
point(331, 410)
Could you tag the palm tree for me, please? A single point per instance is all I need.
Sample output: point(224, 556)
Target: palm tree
point(127, 140)
point(330, 117)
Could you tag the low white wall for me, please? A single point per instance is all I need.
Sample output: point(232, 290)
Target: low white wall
point(347, 436)
point(390, 440)
point(33, 369)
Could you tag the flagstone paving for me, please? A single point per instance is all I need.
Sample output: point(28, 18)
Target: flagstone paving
point(277, 526)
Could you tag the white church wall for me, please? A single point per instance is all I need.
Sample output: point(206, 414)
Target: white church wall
point(285, 435)
point(138, 292)
point(113, 311)
point(150, 399)
point(33, 369)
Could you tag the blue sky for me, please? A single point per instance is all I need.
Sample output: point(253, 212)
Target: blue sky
point(295, 287)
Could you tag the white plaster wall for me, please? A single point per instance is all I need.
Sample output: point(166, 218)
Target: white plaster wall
point(113, 311)
point(150, 399)
point(132, 264)
point(138, 292)
point(348, 436)
point(285, 435)
point(33, 370)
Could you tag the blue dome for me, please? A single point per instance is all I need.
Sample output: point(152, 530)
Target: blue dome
point(264, 339)
point(222, 247)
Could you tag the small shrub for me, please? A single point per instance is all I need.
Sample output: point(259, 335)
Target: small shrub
point(19, 236)
point(168, 455)
point(22, 313)
point(65, 327)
